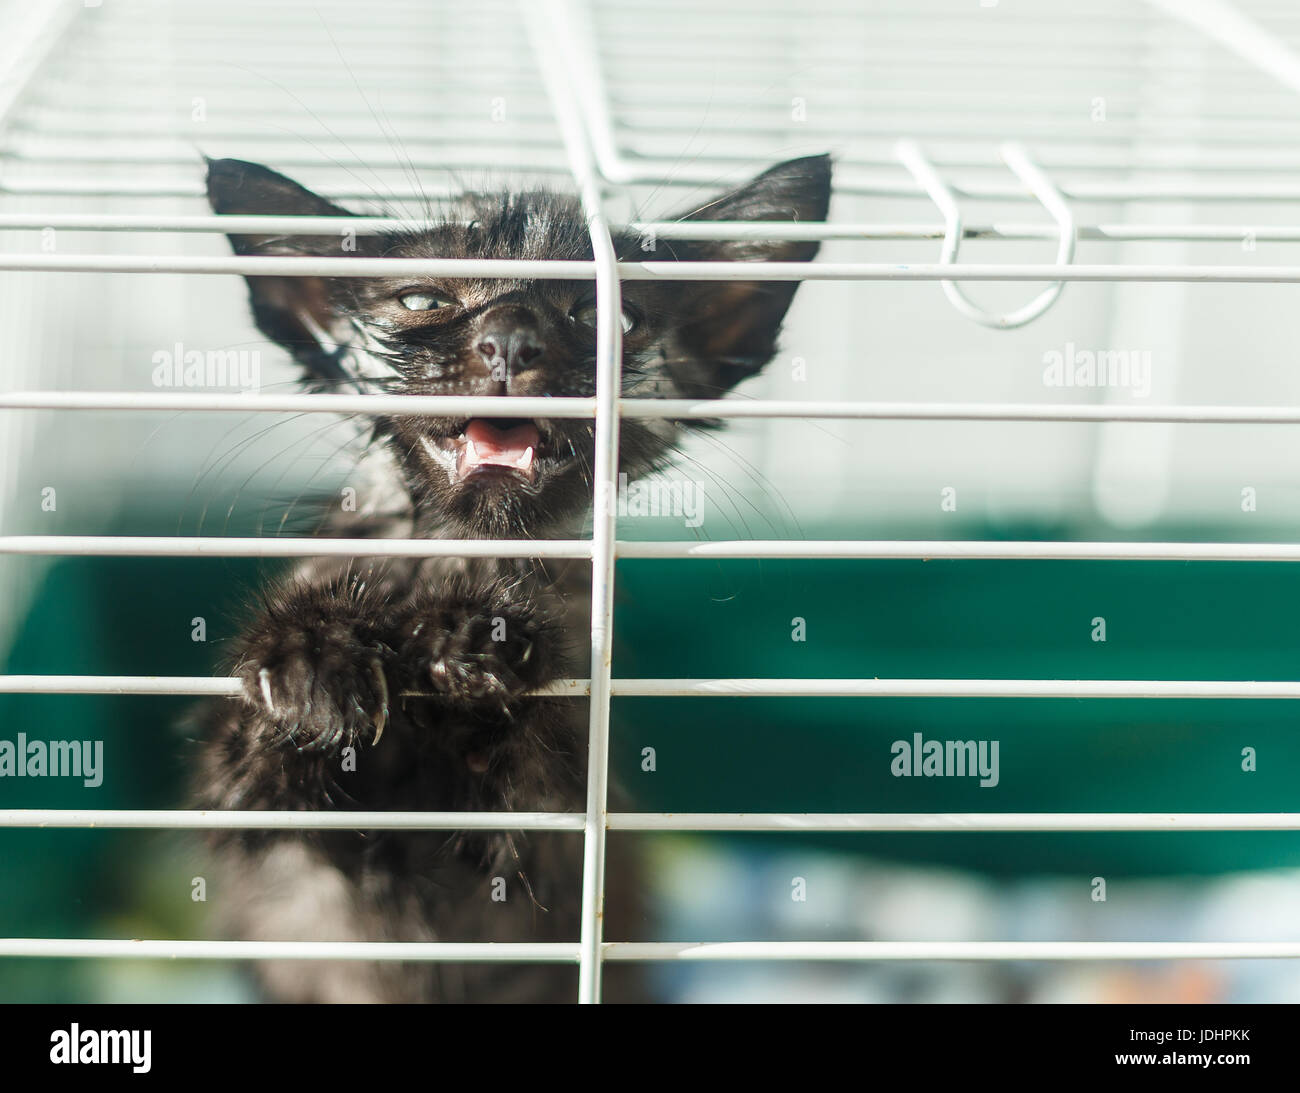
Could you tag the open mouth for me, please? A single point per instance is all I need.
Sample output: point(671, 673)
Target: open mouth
point(491, 448)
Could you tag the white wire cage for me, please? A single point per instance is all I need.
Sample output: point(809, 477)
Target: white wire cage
point(1112, 130)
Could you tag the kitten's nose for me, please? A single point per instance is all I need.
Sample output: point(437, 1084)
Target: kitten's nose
point(509, 341)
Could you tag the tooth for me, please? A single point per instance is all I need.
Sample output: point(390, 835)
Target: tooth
point(471, 452)
point(526, 460)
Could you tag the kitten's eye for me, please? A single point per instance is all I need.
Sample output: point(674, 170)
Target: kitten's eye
point(422, 301)
point(586, 315)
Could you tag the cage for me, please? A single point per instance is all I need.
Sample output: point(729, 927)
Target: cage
point(1021, 475)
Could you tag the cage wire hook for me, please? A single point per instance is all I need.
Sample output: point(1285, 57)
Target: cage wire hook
point(1017, 159)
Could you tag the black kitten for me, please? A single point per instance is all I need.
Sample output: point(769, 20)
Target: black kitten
point(322, 722)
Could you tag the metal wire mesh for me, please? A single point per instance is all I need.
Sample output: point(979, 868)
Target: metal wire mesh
point(96, 107)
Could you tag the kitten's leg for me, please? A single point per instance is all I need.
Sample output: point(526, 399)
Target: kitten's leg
point(327, 666)
point(480, 647)
point(315, 668)
point(478, 652)
point(477, 744)
point(324, 665)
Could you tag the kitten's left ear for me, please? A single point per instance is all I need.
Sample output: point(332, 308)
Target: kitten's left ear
point(730, 329)
point(296, 312)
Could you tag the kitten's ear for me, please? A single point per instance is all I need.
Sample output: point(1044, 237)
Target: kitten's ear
point(730, 328)
point(293, 311)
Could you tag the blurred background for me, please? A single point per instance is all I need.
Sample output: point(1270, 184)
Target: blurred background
point(106, 108)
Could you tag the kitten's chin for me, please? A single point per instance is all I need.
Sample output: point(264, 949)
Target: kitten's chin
point(496, 510)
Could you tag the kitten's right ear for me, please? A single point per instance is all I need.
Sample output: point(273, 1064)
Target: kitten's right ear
point(729, 328)
point(293, 311)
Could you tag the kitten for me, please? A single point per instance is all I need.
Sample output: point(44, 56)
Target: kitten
point(334, 646)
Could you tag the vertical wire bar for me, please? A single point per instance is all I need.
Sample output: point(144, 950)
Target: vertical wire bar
point(28, 47)
point(1236, 30)
point(583, 71)
point(25, 54)
point(609, 349)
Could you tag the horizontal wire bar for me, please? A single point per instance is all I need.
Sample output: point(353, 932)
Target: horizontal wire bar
point(522, 269)
point(207, 820)
point(1241, 149)
point(670, 175)
point(387, 62)
point(867, 107)
point(956, 58)
point(230, 686)
point(675, 409)
point(446, 952)
point(849, 271)
point(891, 822)
point(952, 950)
point(647, 137)
point(652, 133)
point(458, 406)
point(132, 95)
point(961, 550)
point(767, 43)
point(101, 186)
point(644, 172)
point(543, 269)
point(184, 546)
point(482, 151)
point(464, 153)
point(951, 822)
point(240, 101)
point(660, 229)
point(424, 50)
point(646, 142)
point(944, 688)
point(212, 686)
point(567, 952)
point(1230, 233)
point(656, 126)
point(388, 69)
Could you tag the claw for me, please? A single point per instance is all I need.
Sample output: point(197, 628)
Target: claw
point(380, 719)
point(264, 678)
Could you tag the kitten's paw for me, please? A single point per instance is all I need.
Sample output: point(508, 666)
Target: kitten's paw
point(322, 684)
point(474, 654)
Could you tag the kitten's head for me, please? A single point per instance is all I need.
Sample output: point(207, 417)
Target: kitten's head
point(440, 336)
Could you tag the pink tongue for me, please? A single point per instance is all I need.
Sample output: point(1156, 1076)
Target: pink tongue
point(490, 446)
